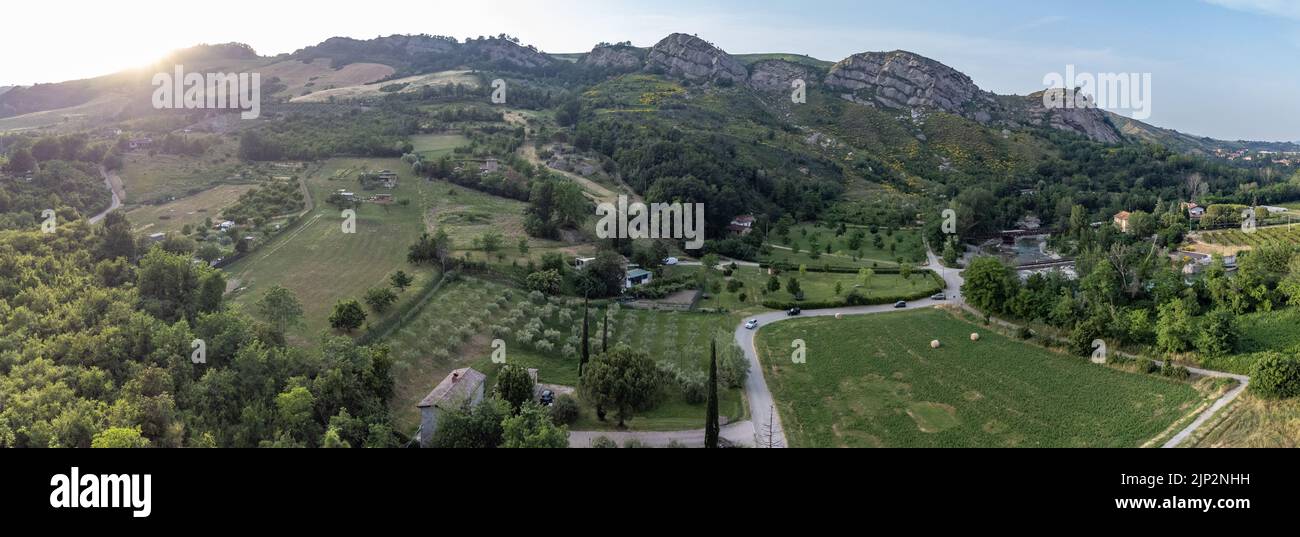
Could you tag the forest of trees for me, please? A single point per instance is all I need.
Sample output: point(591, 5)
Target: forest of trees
point(98, 343)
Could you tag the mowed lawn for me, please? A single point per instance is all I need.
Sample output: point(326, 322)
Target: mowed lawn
point(816, 286)
point(321, 264)
point(436, 146)
point(874, 381)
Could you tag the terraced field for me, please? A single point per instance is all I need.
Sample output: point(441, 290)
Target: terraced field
point(1236, 238)
point(874, 381)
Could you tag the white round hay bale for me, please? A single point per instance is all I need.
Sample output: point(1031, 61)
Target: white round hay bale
point(935, 344)
point(839, 316)
point(975, 337)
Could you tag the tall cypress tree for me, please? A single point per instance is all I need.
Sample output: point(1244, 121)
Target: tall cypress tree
point(604, 337)
point(586, 353)
point(711, 427)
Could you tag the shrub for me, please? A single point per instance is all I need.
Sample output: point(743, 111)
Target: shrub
point(633, 443)
point(694, 387)
point(1147, 366)
point(603, 442)
point(1176, 372)
point(1276, 376)
point(565, 410)
point(733, 367)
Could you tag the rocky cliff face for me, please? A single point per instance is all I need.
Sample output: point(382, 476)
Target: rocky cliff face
point(615, 57)
point(501, 50)
point(776, 75)
point(903, 80)
point(693, 58)
point(1082, 118)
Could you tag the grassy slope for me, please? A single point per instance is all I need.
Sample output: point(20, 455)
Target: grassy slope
point(885, 387)
point(320, 263)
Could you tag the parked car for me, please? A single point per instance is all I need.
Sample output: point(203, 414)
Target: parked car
point(672, 261)
point(939, 296)
point(795, 312)
point(752, 324)
point(548, 398)
point(900, 305)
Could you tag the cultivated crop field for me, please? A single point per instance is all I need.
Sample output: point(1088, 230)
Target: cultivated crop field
point(1242, 240)
point(874, 381)
point(456, 328)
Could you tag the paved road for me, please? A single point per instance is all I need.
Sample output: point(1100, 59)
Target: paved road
point(741, 433)
point(761, 405)
point(114, 185)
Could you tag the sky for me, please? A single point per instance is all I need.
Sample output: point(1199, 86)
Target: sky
point(1220, 68)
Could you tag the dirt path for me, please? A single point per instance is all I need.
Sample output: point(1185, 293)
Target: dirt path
point(741, 433)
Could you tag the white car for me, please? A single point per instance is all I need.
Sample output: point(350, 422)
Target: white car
point(671, 261)
point(752, 324)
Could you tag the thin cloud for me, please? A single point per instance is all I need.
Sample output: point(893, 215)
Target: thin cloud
point(1041, 22)
point(1280, 8)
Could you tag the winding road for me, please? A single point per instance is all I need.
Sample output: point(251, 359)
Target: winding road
point(761, 405)
point(114, 184)
point(763, 411)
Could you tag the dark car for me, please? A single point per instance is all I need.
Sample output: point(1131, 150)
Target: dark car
point(548, 397)
point(795, 312)
point(900, 305)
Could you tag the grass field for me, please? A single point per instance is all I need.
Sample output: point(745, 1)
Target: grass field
point(320, 263)
point(468, 214)
point(191, 210)
point(160, 178)
point(905, 245)
point(436, 146)
point(816, 286)
point(874, 381)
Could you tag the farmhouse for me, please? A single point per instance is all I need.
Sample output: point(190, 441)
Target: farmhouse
point(489, 166)
point(742, 225)
point(582, 262)
point(463, 388)
point(389, 179)
point(157, 237)
point(1196, 213)
point(1121, 220)
point(139, 143)
point(636, 277)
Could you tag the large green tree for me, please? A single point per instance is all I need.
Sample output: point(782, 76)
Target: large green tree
point(622, 379)
point(989, 285)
